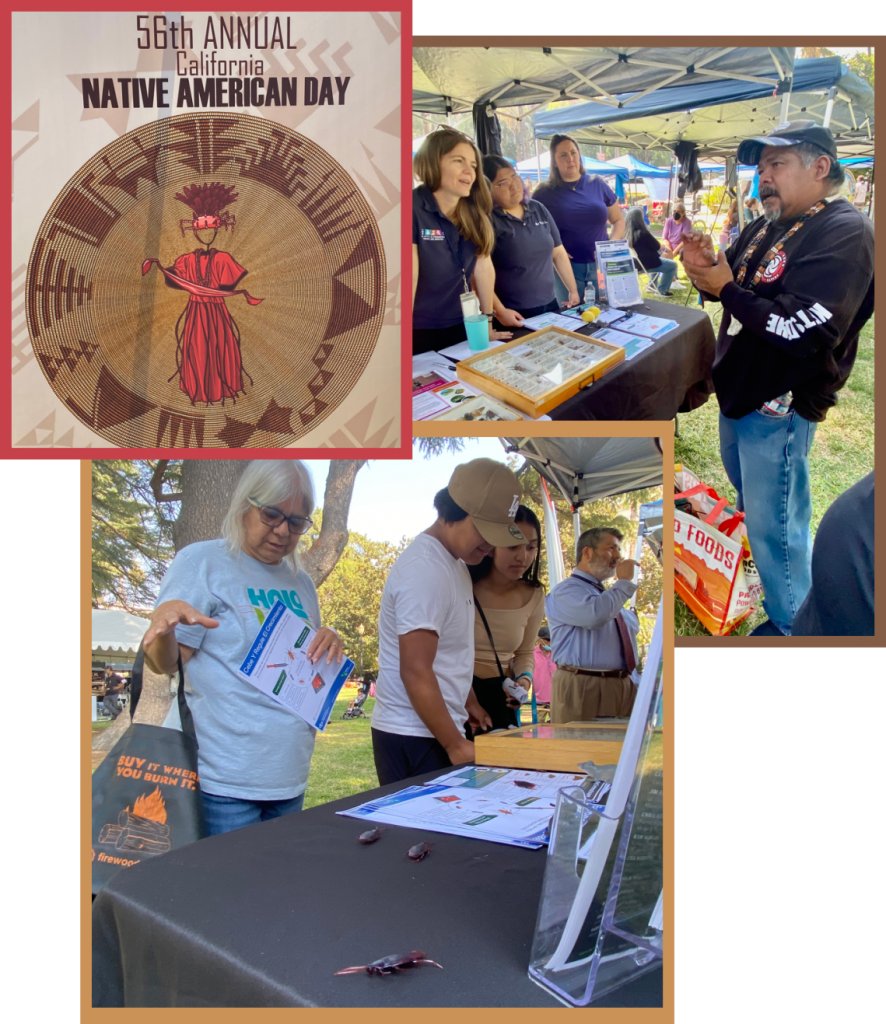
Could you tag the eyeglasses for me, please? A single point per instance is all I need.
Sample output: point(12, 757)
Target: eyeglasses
point(273, 517)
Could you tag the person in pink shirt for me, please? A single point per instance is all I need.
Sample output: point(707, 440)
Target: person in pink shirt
point(544, 667)
point(672, 232)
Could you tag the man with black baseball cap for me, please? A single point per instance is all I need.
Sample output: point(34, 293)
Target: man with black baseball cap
point(796, 287)
point(426, 626)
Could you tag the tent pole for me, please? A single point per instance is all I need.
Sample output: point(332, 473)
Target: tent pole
point(638, 555)
point(785, 106)
point(538, 159)
point(829, 109)
point(576, 530)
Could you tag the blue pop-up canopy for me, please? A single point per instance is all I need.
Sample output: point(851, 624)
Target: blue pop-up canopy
point(717, 114)
point(529, 168)
point(637, 168)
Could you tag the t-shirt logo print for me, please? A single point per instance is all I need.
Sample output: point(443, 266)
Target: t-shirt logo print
point(775, 268)
point(515, 504)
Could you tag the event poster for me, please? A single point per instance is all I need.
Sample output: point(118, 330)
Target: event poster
point(206, 230)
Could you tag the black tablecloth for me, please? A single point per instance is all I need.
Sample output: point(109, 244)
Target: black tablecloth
point(672, 376)
point(265, 915)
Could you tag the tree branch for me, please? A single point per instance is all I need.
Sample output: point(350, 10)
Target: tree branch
point(320, 559)
point(157, 483)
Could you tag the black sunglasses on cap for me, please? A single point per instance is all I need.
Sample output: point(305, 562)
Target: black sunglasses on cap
point(273, 517)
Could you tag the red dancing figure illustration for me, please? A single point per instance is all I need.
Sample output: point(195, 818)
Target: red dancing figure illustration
point(208, 360)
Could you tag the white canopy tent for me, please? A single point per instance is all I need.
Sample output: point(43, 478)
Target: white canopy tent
point(116, 635)
point(585, 469)
point(716, 116)
point(452, 79)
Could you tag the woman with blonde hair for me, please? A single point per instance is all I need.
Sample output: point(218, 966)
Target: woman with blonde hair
point(254, 754)
point(452, 239)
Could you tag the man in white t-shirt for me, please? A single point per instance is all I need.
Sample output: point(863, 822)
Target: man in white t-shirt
point(426, 626)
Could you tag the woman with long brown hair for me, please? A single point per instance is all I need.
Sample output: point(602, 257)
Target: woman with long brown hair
point(583, 208)
point(452, 240)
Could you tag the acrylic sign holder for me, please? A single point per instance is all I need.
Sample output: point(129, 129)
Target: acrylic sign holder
point(600, 917)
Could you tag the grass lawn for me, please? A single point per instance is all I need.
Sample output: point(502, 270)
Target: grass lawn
point(842, 453)
point(342, 764)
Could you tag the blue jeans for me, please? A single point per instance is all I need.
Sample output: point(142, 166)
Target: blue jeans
point(665, 274)
point(766, 460)
point(226, 813)
point(585, 273)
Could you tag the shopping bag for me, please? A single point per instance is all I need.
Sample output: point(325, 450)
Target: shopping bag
point(146, 793)
point(714, 572)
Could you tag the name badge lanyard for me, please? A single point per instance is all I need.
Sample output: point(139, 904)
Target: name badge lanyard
point(735, 326)
point(455, 253)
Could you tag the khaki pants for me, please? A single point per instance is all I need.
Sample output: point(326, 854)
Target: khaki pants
point(579, 698)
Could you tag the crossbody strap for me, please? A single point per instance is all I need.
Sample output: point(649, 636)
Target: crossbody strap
point(489, 634)
point(135, 692)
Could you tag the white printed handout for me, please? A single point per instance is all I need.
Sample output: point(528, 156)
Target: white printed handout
point(503, 805)
point(632, 344)
point(278, 666)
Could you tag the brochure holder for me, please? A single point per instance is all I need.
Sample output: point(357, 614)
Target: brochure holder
point(600, 917)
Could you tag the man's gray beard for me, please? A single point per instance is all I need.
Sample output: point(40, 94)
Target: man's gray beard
point(773, 215)
point(602, 572)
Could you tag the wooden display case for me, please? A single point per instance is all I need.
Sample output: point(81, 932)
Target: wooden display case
point(530, 360)
point(560, 748)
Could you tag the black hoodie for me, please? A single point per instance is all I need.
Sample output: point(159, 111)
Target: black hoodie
point(800, 327)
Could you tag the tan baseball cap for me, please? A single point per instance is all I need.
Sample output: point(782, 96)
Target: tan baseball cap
point(490, 494)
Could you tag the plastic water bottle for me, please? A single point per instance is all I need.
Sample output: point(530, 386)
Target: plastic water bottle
point(590, 295)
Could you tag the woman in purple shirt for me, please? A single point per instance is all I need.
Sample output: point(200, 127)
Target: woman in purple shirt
point(583, 208)
point(672, 232)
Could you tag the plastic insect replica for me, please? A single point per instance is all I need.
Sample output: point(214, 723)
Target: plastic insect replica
point(208, 360)
point(370, 837)
point(419, 852)
point(395, 962)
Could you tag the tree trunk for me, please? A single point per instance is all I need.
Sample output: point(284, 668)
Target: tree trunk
point(324, 553)
point(207, 486)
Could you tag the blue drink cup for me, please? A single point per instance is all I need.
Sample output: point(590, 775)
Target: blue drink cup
point(477, 328)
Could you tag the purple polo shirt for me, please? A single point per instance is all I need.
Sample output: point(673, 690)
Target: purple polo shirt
point(581, 212)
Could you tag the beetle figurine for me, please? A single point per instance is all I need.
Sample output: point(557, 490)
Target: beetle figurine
point(419, 852)
point(370, 837)
point(389, 964)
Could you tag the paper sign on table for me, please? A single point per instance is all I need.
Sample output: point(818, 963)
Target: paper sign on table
point(632, 344)
point(549, 320)
point(278, 666)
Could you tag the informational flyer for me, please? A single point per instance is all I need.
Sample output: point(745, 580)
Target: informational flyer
point(277, 664)
point(617, 265)
point(646, 326)
point(632, 344)
point(502, 805)
point(549, 320)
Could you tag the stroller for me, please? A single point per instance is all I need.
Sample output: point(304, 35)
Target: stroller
point(355, 707)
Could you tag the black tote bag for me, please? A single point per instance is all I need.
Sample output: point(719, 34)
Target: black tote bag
point(146, 793)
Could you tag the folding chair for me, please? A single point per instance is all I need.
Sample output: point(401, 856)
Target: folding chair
point(650, 285)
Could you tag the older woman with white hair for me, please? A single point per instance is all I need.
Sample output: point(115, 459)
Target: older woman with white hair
point(254, 755)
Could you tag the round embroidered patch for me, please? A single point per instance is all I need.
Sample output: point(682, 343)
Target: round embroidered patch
point(775, 268)
point(514, 532)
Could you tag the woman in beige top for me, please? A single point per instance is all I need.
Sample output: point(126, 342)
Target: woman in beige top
point(507, 591)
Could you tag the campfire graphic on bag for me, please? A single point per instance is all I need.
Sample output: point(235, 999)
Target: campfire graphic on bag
point(143, 828)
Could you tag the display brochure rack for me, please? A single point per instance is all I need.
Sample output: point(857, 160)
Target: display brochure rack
point(600, 919)
point(540, 371)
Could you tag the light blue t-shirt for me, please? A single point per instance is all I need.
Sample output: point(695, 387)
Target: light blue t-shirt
point(250, 747)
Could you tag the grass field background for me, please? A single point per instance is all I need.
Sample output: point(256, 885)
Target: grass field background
point(842, 453)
